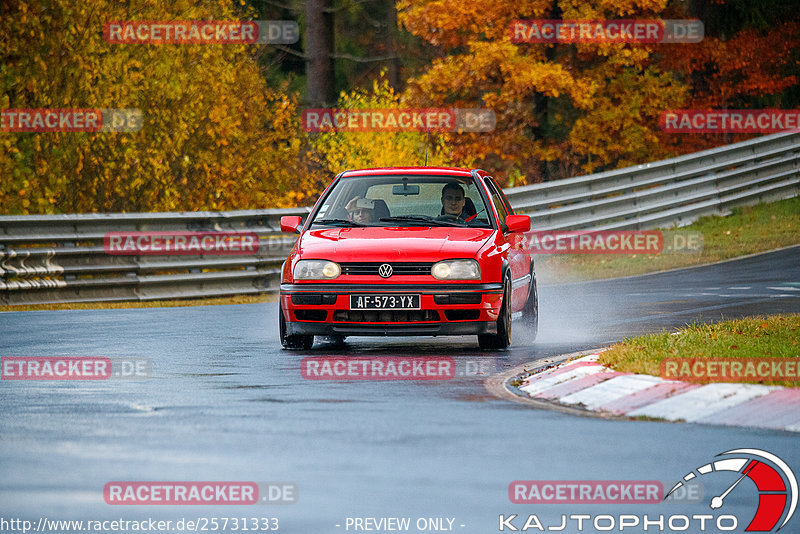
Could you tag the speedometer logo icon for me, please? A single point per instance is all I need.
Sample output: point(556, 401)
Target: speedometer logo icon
point(775, 481)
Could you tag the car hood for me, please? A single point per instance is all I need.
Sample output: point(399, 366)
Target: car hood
point(392, 244)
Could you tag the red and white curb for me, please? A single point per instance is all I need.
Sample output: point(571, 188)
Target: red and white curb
point(585, 383)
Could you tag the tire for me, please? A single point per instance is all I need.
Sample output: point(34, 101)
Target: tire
point(293, 342)
point(530, 313)
point(502, 339)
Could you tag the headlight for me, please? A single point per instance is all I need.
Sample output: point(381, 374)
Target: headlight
point(316, 270)
point(456, 270)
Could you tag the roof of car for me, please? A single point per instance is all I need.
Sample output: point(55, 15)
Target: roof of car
point(445, 171)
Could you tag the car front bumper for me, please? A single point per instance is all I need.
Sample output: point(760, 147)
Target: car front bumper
point(445, 309)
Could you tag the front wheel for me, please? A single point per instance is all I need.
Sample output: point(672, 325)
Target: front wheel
point(293, 342)
point(502, 339)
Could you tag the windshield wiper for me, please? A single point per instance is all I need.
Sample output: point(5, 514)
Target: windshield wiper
point(427, 221)
point(337, 222)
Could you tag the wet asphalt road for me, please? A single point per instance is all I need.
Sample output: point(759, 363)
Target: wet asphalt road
point(226, 403)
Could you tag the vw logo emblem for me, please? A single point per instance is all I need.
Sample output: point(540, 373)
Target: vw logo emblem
point(385, 270)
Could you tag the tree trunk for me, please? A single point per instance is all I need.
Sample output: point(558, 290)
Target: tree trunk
point(320, 80)
point(391, 47)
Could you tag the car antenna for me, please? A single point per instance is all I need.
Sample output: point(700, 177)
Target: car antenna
point(426, 147)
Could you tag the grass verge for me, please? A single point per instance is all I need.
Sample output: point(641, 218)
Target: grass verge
point(237, 299)
point(774, 336)
point(748, 230)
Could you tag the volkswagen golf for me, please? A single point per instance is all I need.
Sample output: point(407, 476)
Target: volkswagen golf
point(408, 251)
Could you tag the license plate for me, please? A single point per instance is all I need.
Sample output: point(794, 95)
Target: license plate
point(384, 302)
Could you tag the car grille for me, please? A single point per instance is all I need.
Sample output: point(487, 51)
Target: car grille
point(399, 268)
point(385, 316)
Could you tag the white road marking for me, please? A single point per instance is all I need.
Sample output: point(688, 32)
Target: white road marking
point(611, 390)
point(544, 384)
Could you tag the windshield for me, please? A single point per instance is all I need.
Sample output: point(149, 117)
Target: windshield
point(404, 201)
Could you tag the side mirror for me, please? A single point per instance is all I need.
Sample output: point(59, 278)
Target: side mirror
point(291, 224)
point(518, 223)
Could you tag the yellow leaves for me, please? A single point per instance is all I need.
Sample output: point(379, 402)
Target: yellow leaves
point(337, 151)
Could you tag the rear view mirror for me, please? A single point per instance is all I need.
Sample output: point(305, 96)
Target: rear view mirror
point(405, 190)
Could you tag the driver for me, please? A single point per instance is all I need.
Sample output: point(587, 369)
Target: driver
point(453, 200)
point(361, 210)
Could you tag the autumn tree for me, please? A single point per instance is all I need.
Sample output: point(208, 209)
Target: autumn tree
point(336, 151)
point(214, 135)
point(749, 58)
point(345, 44)
point(562, 109)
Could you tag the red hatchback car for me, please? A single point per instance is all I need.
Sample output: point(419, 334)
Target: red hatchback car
point(408, 251)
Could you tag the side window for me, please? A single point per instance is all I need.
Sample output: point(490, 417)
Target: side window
point(498, 199)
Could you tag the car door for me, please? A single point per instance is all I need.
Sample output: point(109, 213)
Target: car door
point(519, 258)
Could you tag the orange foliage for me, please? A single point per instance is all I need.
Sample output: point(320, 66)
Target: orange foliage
point(562, 109)
point(751, 66)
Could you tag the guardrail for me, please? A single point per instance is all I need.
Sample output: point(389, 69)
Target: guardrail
point(668, 192)
point(61, 258)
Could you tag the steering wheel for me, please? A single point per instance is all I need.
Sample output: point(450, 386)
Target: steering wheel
point(447, 217)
